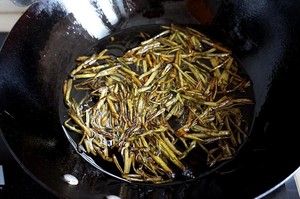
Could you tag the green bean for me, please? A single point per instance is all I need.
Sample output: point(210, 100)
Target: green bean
point(131, 103)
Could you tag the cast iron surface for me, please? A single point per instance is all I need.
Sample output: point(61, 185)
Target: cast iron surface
point(40, 52)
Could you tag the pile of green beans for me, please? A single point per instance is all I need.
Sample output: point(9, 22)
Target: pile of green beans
point(131, 103)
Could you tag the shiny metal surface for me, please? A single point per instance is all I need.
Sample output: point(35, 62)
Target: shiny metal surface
point(40, 52)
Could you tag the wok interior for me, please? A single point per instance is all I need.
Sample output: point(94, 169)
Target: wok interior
point(130, 38)
point(40, 52)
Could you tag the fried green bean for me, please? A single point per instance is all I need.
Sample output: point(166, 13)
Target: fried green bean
point(145, 111)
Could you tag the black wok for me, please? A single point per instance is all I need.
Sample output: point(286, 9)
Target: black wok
point(40, 51)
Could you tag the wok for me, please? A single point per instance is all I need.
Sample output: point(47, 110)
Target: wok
point(40, 51)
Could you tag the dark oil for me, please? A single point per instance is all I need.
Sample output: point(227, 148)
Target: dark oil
point(196, 162)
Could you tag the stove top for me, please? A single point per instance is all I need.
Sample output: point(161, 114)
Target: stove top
point(16, 183)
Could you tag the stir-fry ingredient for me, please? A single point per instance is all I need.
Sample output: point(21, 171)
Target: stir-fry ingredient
point(147, 110)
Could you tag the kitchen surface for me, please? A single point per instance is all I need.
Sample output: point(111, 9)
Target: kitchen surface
point(16, 183)
point(9, 14)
